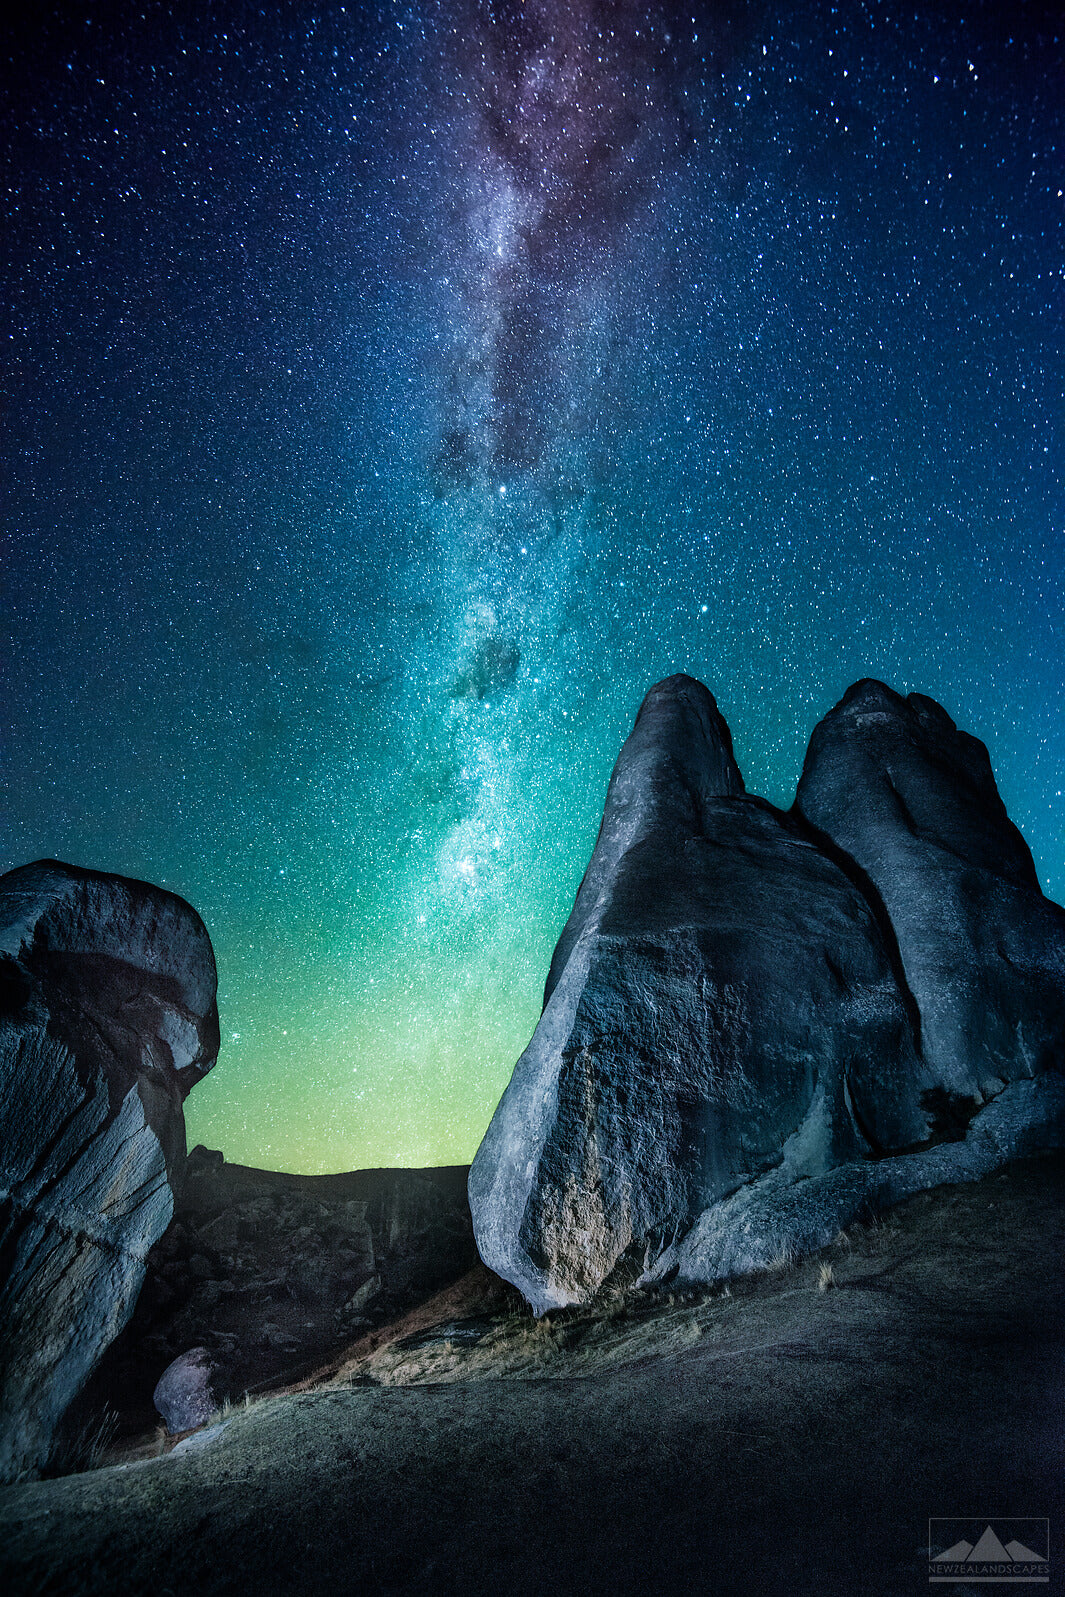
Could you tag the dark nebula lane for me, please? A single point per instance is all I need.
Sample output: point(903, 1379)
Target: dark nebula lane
point(395, 392)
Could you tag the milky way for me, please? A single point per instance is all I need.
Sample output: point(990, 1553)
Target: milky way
point(396, 393)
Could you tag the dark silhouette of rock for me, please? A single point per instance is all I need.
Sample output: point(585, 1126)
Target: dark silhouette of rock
point(272, 1273)
point(722, 1002)
point(107, 1018)
point(911, 800)
point(187, 1394)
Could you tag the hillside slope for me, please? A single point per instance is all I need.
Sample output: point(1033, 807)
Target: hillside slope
point(778, 1439)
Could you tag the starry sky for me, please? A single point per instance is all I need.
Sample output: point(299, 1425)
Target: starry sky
point(394, 392)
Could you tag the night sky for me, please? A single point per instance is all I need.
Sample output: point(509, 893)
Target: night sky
point(394, 393)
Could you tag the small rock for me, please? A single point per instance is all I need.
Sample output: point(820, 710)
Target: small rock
point(271, 1335)
point(188, 1391)
point(193, 1444)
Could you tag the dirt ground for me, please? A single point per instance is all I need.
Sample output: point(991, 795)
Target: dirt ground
point(792, 1437)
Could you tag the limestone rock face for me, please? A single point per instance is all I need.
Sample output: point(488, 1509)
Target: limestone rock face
point(722, 999)
point(107, 1018)
point(912, 801)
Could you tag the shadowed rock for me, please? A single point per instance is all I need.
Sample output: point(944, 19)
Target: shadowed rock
point(777, 1217)
point(107, 1018)
point(912, 801)
point(272, 1273)
point(187, 1393)
point(722, 1000)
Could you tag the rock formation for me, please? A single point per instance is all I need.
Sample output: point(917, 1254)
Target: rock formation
point(107, 1018)
point(733, 1058)
point(721, 997)
point(911, 801)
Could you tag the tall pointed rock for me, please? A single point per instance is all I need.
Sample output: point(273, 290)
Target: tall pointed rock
point(912, 801)
point(721, 1001)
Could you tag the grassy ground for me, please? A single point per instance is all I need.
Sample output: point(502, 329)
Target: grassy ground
point(792, 1434)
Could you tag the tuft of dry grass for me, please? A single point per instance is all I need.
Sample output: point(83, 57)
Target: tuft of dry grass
point(87, 1448)
point(825, 1276)
point(231, 1406)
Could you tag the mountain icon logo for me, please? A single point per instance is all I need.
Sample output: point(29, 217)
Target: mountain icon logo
point(1000, 1551)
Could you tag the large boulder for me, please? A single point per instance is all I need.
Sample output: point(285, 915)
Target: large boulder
point(911, 801)
point(723, 1002)
point(107, 1018)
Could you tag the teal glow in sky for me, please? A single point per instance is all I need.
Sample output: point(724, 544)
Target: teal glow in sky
point(397, 393)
